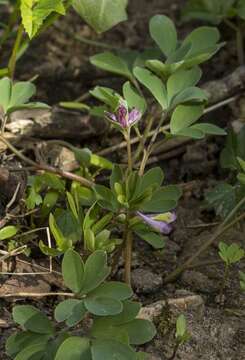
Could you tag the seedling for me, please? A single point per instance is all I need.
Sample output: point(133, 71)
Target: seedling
point(230, 254)
point(182, 335)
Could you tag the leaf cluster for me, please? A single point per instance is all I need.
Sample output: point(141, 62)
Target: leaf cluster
point(115, 327)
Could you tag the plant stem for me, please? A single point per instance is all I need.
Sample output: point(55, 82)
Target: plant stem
point(65, 174)
point(223, 227)
point(129, 150)
point(128, 255)
point(13, 58)
point(223, 284)
point(4, 121)
point(150, 147)
point(176, 348)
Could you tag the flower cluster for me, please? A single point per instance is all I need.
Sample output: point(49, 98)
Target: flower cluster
point(123, 117)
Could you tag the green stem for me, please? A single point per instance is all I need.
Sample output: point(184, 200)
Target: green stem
point(176, 348)
point(128, 254)
point(224, 226)
point(141, 145)
point(129, 150)
point(13, 58)
point(150, 147)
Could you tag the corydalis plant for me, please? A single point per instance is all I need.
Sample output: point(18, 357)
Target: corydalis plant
point(180, 104)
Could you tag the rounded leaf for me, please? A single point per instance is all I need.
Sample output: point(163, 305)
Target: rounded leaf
point(74, 348)
point(103, 306)
point(163, 32)
point(73, 270)
point(108, 350)
point(95, 271)
point(32, 319)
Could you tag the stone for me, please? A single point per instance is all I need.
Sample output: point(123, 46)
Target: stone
point(145, 281)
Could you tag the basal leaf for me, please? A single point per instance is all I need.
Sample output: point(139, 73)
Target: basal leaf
point(109, 349)
point(75, 348)
point(32, 319)
point(73, 270)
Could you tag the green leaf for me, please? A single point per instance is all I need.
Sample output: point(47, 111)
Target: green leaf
point(163, 32)
point(152, 178)
point(21, 340)
point(129, 313)
point(155, 240)
point(163, 200)
point(49, 201)
point(153, 84)
point(21, 93)
point(32, 319)
point(102, 305)
point(113, 289)
point(108, 349)
point(72, 311)
point(210, 129)
point(222, 198)
point(113, 63)
point(69, 226)
point(181, 326)
point(234, 148)
point(181, 80)
point(184, 116)
point(33, 352)
point(105, 198)
point(8, 232)
point(46, 250)
point(101, 14)
point(34, 13)
point(95, 271)
point(191, 94)
point(74, 348)
point(201, 39)
point(140, 331)
point(134, 100)
point(106, 95)
point(191, 132)
point(73, 270)
point(60, 240)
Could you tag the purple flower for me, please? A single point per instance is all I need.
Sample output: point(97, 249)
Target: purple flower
point(123, 117)
point(159, 222)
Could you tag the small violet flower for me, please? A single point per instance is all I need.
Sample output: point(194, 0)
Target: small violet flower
point(160, 222)
point(123, 117)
